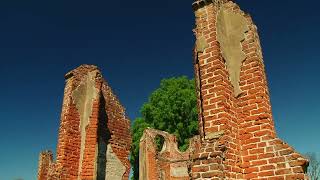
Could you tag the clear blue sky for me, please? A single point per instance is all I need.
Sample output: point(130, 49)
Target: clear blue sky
point(136, 44)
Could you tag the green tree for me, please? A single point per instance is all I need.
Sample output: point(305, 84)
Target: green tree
point(171, 108)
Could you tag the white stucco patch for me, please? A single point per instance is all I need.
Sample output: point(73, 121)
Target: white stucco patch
point(83, 97)
point(114, 169)
point(231, 29)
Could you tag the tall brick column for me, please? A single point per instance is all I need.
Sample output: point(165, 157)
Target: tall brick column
point(217, 104)
point(94, 136)
point(236, 125)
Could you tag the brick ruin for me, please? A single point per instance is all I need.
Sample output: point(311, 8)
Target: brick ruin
point(94, 135)
point(237, 135)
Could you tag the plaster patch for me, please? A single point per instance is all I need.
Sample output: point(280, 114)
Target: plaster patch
point(179, 171)
point(114, 169)
point(83, 97)
point(142, 160)
point(231, 29)
point(201, 44)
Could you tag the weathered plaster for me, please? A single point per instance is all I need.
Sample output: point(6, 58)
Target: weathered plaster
point(231, 29)
point(114, 169)
point(83, 97)
point(143, 159)
point(179, 171)
point(201, 44)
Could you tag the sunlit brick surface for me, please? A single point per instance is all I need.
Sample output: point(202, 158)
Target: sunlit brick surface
point(237, 134)
point(91, 118)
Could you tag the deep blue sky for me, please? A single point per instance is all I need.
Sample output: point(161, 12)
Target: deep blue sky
point(136, 44)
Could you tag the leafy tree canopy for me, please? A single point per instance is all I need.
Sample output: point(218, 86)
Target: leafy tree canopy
point(171, 108)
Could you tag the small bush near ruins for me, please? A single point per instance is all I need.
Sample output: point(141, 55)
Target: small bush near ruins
point(171, 108)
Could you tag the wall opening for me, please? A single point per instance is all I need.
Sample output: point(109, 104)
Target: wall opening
point(103, 140)
point(159, 141)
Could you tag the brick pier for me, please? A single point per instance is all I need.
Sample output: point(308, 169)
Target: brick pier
point(237, 135)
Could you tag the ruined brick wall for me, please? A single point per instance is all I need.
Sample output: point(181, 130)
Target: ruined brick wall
point(167, 163)
point(94, 135)
point(45, 161)
point(234, 99)
point(237, 134)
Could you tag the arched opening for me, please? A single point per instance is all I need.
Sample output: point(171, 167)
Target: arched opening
point(159, 141)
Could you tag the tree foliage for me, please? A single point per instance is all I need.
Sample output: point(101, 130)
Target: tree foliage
point(170, 108)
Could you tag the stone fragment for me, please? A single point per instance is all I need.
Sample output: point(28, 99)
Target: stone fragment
point(214, 135)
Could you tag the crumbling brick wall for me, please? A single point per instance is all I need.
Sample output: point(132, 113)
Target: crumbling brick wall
point(94, 135)
point(238, 138)
point(45, 160)
point(166, 163)
point(234, 96)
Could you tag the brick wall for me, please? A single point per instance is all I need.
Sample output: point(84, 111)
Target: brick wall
point(237, 134)
point(234, 98)
point(45, 161)
point(165, 163)
point(92, 120)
